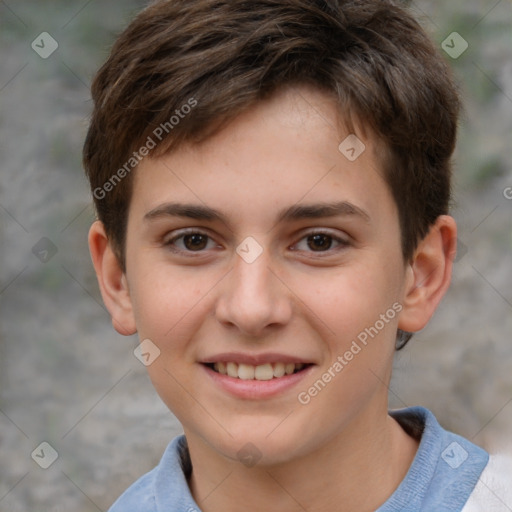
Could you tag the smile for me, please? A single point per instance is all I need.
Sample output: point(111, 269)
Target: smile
point(267, 371)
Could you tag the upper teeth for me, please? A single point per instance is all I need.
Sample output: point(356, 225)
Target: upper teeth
point(262, 372)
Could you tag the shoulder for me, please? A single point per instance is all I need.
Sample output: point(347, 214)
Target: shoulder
point(444, 471)
point(493, 491)
point(164, 487)
point(139, 496)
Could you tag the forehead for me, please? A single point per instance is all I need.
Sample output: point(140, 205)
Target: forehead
point(293, 148)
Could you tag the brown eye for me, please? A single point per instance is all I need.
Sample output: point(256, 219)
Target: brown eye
point(195, 242)
point(321, 242)
point(189, 242)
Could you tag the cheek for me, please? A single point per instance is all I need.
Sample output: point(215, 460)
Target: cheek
point(169, 308)
point(360, 309)
point(353, 298)
point(165, 300)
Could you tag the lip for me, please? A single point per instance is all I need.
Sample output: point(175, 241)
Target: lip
point(254, 359)
point(256, 389)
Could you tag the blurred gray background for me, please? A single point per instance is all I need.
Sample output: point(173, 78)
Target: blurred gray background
point(68, 379)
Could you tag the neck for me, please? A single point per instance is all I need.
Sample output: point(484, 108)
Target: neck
point(357, 470)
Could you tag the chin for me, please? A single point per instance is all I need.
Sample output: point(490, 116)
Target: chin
point(269, 445)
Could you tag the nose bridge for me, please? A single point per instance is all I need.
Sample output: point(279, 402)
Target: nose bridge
point(252, 297)
point(252, 278)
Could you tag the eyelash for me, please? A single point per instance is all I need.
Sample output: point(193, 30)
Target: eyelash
point(343, 243)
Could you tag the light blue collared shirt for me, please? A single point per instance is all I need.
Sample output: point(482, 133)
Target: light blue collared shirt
point(441, 478)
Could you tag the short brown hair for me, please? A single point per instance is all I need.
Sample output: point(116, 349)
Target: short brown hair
point(222, 56)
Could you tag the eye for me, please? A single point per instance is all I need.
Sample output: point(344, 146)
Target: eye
point(320, 241)
point(191, 241)
point(194, 241)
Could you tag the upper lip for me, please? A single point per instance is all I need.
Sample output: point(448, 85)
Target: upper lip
point(254, 359)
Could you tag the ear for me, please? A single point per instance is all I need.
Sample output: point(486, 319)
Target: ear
point(112, 280)
point(428, 275)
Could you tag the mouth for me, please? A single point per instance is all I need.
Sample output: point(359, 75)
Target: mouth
point(262, 372)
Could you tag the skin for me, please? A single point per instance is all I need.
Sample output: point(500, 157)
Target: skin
point(300, 298)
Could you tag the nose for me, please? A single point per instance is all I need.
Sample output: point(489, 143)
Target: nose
point(253, 298)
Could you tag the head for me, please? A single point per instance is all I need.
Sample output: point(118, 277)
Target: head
point(246, 108)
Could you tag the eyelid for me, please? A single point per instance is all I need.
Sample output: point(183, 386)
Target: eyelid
point(322, 231)
point(176, 235)
point(342, 241)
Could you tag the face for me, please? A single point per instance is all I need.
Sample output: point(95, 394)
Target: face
point(266, 253)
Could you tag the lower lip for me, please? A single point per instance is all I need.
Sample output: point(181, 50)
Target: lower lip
point(257, 389)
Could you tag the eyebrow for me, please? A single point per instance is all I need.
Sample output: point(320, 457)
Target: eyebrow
point(292, 213)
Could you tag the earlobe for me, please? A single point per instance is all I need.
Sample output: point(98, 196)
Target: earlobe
point(112, 280)
point(428, 274)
